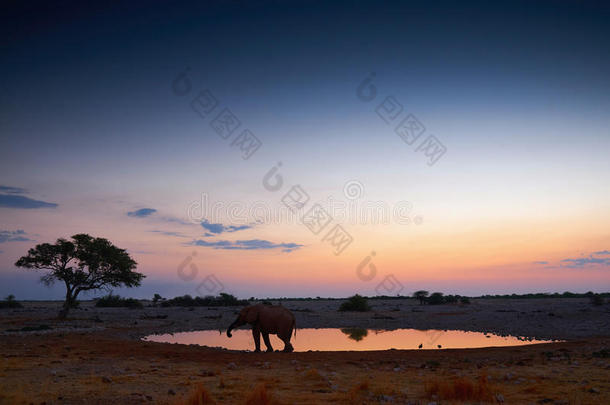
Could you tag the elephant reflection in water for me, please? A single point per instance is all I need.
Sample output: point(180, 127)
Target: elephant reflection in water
point(266, 320)
point(356, 334)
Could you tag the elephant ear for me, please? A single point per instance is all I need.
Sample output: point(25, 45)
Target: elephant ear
point(252, 315)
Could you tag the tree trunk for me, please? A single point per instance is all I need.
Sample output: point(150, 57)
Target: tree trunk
point(68, 303)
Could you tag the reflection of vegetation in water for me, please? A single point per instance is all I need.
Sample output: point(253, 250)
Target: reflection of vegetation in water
point(356, 334)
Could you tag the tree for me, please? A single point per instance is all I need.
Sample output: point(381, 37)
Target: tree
point(157, 298)
point(84, 263)
point(421, 296)
point(436, 298)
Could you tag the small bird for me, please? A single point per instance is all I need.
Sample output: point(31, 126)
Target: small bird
point(439, 346)
point(421, 345)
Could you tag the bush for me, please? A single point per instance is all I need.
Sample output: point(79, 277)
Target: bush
point(222, 300)
point(465, 300)
point(112, 301)
point(597, 299)
point(355, 303)
point(9, 302)
point(451, 299)
point(436, 298)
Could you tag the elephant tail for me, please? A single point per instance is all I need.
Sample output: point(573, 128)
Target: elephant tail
point(294, 326)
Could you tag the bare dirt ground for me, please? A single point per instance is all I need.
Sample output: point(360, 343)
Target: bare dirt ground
point(97, 357)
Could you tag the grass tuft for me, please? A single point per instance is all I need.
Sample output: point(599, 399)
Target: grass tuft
point(260, 396)
point(200, 396)
point(462, 389)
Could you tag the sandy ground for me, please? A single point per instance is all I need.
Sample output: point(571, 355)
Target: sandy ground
point(96, 356)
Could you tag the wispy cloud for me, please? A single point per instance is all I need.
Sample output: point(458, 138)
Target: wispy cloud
point(169, 233)
point(220, 228)
point(19, 201)
point(13, 236)
point(142, 212)
point(176, 220)
point(583, 261)
point(12, 190)
point(578, 262)
point(251, 244)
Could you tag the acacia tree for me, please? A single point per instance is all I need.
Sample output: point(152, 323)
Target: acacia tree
point(421, 296)
point(84, 263)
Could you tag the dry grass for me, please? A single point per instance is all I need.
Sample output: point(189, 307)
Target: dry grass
point(461, 388)
point(358, 391)
point(314, 375)
point(260, 396)
point(200, 396)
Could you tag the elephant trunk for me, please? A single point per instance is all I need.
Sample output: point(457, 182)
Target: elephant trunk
point(231, 327)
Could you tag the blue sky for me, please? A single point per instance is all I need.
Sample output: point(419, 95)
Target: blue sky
point(94, 140)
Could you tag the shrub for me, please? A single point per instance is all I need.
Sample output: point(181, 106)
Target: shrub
point(9, 302)
point(436, 298)
point(465, 300)
point(597, 299)
point(111, 301)
point(355, 303)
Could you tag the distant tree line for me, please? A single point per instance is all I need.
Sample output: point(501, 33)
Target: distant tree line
point(222, 300)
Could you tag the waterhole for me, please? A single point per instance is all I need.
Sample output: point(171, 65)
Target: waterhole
point(331, 339)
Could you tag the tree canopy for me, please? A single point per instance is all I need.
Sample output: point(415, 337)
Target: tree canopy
point(83, 263)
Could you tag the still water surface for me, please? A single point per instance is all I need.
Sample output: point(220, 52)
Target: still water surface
point(348, 339)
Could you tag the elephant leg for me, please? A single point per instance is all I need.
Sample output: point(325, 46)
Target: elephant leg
point(267, 342)
point(286, 339)
point(256, 334)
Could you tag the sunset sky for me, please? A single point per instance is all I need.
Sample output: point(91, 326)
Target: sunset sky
point(101, 134)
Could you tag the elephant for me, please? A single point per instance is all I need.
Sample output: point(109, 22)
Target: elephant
point(265, 320)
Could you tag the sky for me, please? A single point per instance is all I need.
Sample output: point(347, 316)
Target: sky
point(307, 148)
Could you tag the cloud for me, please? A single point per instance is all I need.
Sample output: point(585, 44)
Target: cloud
point(220, 228)
point(583, 261)
point(251, 244)
point(12, 190)
point(142, 212)
point(19, 201)
point(579, 262)
point(169, 233)
point(13, 236)
point(177, 221)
